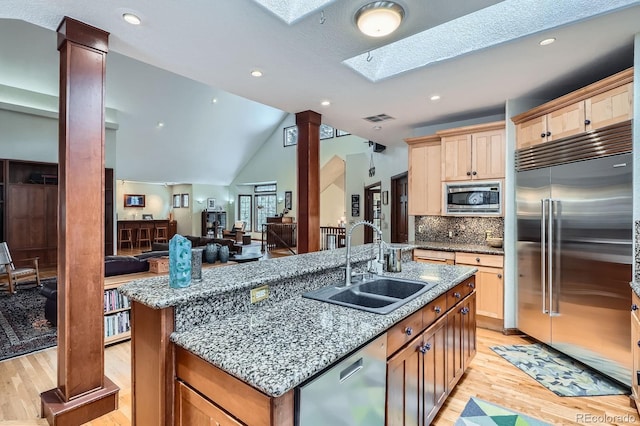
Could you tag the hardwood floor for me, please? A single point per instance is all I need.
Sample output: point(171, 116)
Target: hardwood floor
point(489, 377)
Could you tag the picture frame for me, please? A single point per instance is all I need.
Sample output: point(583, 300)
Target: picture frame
point(326, 131)
point(355, 205)
point(147, 217)
point(211, 204)
point(341, 133)
point(290, 136)
point(184, 200)
point(385, 197)
point(134, 200)
point(288, 199)
point(176, 201)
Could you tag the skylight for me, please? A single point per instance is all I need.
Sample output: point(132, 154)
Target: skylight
point(491, 26)
point(292, 10)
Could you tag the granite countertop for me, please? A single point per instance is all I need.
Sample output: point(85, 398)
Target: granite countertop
point(156, 293)
point(635, 286)
point(447, 246)
point(276, 347)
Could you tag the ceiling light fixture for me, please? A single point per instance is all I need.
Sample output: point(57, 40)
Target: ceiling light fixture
point(547, 41)
point(379, 18)
point(325, 103)
point(160, 124)
point(256, 73)
point(131, 18)
point(435, 98)
point(214, 100)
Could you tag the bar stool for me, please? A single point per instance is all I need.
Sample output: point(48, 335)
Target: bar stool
point(161, 235)
point(125, 238)
point(144, 236)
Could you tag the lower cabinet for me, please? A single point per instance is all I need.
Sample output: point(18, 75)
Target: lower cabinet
point(635, 350)
point(194, 410)
point(423, 373)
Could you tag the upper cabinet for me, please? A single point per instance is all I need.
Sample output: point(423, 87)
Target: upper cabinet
point(425, 186)
point(473, 152)
point(600, 104)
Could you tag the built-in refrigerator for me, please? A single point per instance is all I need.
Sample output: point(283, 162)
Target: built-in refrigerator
point(574, 249)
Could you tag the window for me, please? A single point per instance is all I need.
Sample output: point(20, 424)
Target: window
point(271, 187)
point(265, 207)
point(244, 210)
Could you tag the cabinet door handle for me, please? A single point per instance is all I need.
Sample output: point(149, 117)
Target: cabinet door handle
point(477, 259)
point(437, 309)
point(548, 134)
point(474, 173)
point(500, 276)
point(408, 331)
point(472, 285)
point(542, 135)
point(465, 311)
point(425, 348)
point(634, 307)
point(456, 295)
point(587, 122)
point(639, 343)
point(468, 173)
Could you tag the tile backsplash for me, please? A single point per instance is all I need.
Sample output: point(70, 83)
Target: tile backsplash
point(464, 230)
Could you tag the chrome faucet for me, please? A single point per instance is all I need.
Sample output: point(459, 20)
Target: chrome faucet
point(347, 278)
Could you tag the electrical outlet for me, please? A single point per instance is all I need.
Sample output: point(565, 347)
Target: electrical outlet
point(450, 234)
point(420, 228)
point(259, 293)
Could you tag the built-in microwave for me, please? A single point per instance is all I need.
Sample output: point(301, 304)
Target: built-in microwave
point(473, 198)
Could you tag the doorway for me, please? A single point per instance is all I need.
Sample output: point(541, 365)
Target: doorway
point(372, 206)
point(399, 208)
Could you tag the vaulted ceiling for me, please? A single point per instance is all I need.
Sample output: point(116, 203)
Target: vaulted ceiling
point(474, 55)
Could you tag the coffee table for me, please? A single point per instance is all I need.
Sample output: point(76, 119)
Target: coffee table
point(249, 257)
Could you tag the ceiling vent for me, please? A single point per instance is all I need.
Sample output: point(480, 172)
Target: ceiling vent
point(378, 118)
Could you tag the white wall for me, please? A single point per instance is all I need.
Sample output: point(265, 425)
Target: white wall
point(183, 215)
point(201, 193)
point(157, 200)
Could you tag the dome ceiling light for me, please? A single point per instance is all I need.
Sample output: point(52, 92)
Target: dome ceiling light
point(379, 18)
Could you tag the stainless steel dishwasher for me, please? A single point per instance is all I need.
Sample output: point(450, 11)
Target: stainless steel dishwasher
point(351, 393)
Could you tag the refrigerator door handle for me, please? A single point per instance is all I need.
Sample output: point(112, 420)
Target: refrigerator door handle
point(543, 254)
point(550, 223)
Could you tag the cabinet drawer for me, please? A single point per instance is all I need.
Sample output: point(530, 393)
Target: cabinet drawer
point(434, 310)
point(404, 331)
point(460, 291)
point(635, 301)
point(492, 260)
point(434, 256)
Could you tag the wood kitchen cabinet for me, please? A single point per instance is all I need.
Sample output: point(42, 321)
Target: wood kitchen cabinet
point(635, 350)
point(608, 101)
point(424, 372)
point(425, 185)
point(434, 256)
point(195, 410)
point(473, 152)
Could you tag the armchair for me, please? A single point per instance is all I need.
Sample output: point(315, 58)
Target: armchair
point(236, 232)
point(14, 275)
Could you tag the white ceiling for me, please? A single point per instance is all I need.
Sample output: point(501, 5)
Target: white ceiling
point(217, 44)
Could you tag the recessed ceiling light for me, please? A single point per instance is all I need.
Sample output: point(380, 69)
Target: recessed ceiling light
point(214, 100)
point(256, 73)
point(377, 127)
point(435, 98)
point(325, 103)
point(131, 18)
point(379, 18)
point(547, 41)
point(160, 124)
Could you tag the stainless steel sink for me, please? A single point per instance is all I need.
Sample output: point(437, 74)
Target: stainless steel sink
point(379, 295)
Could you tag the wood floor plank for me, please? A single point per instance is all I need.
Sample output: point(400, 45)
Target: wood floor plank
point(489, 377)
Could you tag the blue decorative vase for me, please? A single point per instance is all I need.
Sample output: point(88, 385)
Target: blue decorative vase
point(196, 264)
point(211, 252)
point(179, 262)
point(223, 254)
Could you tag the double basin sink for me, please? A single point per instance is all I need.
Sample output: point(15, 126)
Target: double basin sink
point(380, 294)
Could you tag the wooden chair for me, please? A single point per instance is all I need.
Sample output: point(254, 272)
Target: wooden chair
point(161, 235)
point(15, 275)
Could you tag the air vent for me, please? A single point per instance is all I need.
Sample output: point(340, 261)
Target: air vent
point(378, 118)
point(610, 140)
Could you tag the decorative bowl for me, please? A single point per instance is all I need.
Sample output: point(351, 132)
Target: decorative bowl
point(494, 242)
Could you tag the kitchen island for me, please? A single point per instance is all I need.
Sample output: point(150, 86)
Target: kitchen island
point(247, 359)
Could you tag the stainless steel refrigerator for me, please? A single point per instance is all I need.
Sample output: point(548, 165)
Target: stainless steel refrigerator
point(574, 230)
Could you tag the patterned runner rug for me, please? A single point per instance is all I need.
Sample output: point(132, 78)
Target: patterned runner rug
point(483, 413)
point(557, 372)
point(23, 328)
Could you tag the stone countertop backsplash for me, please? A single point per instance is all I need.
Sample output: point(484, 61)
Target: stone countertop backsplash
point(464, 247)
point(457, 229)
point(276, 346)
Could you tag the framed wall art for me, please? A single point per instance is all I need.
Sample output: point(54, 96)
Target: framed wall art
point(355, 205)
point(211, 204)
point(133, 200)
point(287, 200)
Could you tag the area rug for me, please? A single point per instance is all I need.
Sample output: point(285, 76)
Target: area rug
point(557, 372)
point(483, 413)
point(23, 328)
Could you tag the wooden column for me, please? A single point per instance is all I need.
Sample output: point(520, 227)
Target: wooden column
point(308, 181)
point(83, 392)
